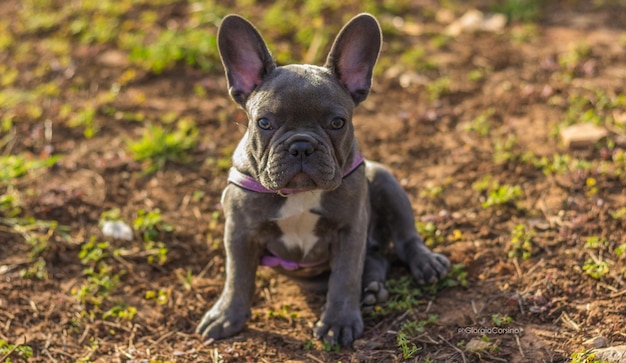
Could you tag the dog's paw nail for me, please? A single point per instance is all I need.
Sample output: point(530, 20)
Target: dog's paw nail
point(382, 295)
point(369, 299)
point(374, 286)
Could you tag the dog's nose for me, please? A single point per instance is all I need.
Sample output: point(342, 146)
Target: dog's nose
point(301, 148)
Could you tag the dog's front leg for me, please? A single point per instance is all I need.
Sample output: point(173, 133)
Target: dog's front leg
point(341, 320)
point(232, 310)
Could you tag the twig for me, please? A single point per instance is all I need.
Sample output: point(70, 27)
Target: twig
point(618, 294)
point(517, 268)
point(309, 355)
point(569, 321)
point(455, 348)
point(519, 345)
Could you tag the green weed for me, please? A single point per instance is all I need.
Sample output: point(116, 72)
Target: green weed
point(100, 283)
point(502, 194)
point(15, 166)
point(151, 226)
point(120, 311)
point(497, 194)
point(430, 233)
point(16, 350)
point(284, 313)
point(503, 150)
point(158, 146)
point(595, 268)
point(501, 320)
point(595, 242)
point(438, 88)
point(585, 356)
point(431, 191)
point(481, 124)
point(161, 297)
point(522, 10)
point(521, 242)
point(410, 330)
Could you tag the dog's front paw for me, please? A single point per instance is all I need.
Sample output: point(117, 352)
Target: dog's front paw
point(429, 267)
point(339, 328)
point(220, 323)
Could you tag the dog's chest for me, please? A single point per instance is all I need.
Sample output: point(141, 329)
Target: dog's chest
point(297, 222)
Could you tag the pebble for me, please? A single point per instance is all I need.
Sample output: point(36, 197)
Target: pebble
point(117, 230)
point(580, 136)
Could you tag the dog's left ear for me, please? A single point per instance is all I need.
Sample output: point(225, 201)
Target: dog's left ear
point(354, 53)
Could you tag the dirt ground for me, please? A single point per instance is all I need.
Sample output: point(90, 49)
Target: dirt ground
point(489, 114)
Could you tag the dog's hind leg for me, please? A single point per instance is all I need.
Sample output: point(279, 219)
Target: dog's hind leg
point(392, 213)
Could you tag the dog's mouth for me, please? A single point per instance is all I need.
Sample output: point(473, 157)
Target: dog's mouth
point(302, 176)
point(302, 181)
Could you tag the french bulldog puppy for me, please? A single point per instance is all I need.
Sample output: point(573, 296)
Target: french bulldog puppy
point(300, 197)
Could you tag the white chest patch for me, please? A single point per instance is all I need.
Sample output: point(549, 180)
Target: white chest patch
point(297, 222)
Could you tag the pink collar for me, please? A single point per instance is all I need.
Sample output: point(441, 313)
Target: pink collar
point(247, 182)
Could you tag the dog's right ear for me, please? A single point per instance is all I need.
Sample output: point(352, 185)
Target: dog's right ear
point(245, 56)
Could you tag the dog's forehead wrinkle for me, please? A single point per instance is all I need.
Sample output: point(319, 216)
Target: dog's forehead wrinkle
point(301, 92)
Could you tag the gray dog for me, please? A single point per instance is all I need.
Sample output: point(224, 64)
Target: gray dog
point(300, 197)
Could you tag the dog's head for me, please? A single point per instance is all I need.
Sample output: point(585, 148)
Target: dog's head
point(300, 134)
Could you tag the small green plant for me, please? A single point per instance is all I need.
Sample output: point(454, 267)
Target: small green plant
point(403, 295)
point(284, 313)
point(93, 252)
point(431, 234)
point(327, 347)
point(501, 320)
point(595, 242)
point(15, 166)
point(595, 268)
point(481, 124)
point(85, 118)
point(98, 286)
point(151, 226)
point(621, 250)
point(503, 194)
point(161, 296)
point(619, 214)
point(497, 194)
point(522, 10)
point(16, 350)
point(503, 150)
point(121, 311)
point(431, 191)
point(585, 356)
point(410, 330)
point(521, 242)
point(158, 146)
point(456, 277)
point(407, 347)
point(476, 75)
point(438, 88)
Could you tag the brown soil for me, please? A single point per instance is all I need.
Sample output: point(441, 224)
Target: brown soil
point(553, 304)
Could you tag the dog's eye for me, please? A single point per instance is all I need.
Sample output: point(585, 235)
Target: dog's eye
point(337, 123)
point(264, 123)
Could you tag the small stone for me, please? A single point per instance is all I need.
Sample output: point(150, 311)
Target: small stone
point(596, 342)
point(478, 345)
point(494, 23)
point(611, 354)
point(467, 23)
point(113, 58)
point(582, 135)
point(117, 230)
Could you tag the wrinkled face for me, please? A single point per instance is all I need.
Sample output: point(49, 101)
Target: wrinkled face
point(300, 128)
